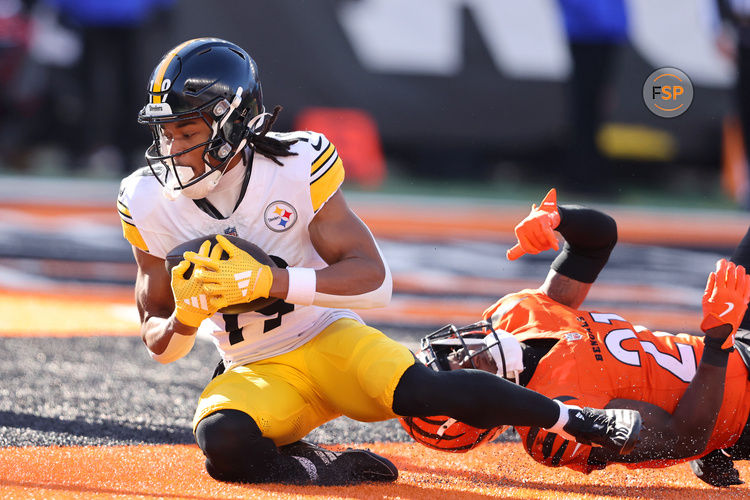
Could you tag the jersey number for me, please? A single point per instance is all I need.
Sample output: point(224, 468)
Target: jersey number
point(683, 366)
point(277, 309)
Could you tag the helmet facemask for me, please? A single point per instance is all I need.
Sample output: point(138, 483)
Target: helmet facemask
point(221, 117)
point(477, 346)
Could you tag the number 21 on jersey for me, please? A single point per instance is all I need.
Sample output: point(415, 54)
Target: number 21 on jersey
point(682, 366)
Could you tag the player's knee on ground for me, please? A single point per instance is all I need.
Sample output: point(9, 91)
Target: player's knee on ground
point(234, 447)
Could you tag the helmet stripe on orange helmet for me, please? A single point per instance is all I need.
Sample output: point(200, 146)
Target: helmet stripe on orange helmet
point(155, 99)
point(467, 439)
point(547, 448)
point(559, 454)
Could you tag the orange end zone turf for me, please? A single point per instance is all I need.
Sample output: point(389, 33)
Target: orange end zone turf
point(496, 470)
point(101, 311)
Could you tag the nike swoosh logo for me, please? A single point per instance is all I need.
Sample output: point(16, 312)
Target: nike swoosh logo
point(317, 146)
point(730, 306)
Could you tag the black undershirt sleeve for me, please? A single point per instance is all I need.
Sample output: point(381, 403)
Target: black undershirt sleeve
point(590, 236)
point(741, 257)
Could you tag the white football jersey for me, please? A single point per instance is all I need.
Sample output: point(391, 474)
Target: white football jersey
point(274, 214)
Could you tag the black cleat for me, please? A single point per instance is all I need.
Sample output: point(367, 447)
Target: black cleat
point(338, 468)
point(716, 469)
point(614, 430)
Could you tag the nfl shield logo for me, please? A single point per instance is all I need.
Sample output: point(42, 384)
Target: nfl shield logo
point(230, 231)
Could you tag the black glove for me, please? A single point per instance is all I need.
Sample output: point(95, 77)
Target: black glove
point(716, 469)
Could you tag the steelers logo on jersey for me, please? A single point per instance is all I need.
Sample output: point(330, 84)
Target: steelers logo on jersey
point(280, 216)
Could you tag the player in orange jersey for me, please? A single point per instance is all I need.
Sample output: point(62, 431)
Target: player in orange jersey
point(692, 392)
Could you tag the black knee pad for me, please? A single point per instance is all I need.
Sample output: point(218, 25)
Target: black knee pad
point(234, 447)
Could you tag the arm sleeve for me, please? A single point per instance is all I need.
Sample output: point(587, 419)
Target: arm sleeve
point(590, 236)
point(741, 257)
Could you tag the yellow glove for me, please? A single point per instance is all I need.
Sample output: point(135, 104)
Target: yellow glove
point(725, 301)
point(236, 280)
point(193, 303)
point(536, 233)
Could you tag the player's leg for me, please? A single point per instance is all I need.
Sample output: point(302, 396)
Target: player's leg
point(367, 376)
point(236, 451)
point(484, 400)
point(249, 423)
point(244, 415)
point(478, 398)
point(357, 368)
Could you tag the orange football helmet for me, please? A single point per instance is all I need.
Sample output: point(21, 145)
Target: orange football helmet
point(442, 432)
point(447, 434)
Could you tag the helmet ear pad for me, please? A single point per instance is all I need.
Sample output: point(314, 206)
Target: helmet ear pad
point(234, 131)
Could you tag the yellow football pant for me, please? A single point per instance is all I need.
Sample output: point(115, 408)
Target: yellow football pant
point(347, 369)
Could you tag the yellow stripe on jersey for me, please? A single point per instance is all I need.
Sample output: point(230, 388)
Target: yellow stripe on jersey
point(163, 69)
point(323, 158)
point(123, 209)
point(324, 186)
point(132, 234)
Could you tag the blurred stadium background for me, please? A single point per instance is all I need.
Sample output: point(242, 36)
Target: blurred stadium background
point(452, 117)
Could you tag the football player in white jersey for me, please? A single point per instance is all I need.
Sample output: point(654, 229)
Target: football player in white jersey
point(215, 168)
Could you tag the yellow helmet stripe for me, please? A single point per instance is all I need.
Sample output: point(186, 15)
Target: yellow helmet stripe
point(163, 69)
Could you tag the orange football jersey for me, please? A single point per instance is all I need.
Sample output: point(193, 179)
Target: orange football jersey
point(600, 357)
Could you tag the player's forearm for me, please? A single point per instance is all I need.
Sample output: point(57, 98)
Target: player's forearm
point(350, 277)
point(166, 338)
point(694, 417)
point(353, 282)
point(590, 236)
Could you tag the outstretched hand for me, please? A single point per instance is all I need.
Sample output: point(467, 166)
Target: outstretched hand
point(536, 233)
point(725, 301)
point(716, 469)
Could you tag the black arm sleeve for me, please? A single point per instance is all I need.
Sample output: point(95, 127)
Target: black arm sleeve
point(590, 236)
point(741, 257)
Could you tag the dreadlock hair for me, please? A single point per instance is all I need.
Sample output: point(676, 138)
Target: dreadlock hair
point(268, 146)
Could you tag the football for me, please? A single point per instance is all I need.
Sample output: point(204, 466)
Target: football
point(174, 257)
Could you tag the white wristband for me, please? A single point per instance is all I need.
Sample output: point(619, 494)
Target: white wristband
point(302, 282)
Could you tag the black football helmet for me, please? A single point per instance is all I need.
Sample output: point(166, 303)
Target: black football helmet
point(209, 79)
point(435, 348)
point(468, 343)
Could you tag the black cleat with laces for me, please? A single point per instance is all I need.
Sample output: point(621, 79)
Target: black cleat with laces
point(614, 430)
point(338, 468)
